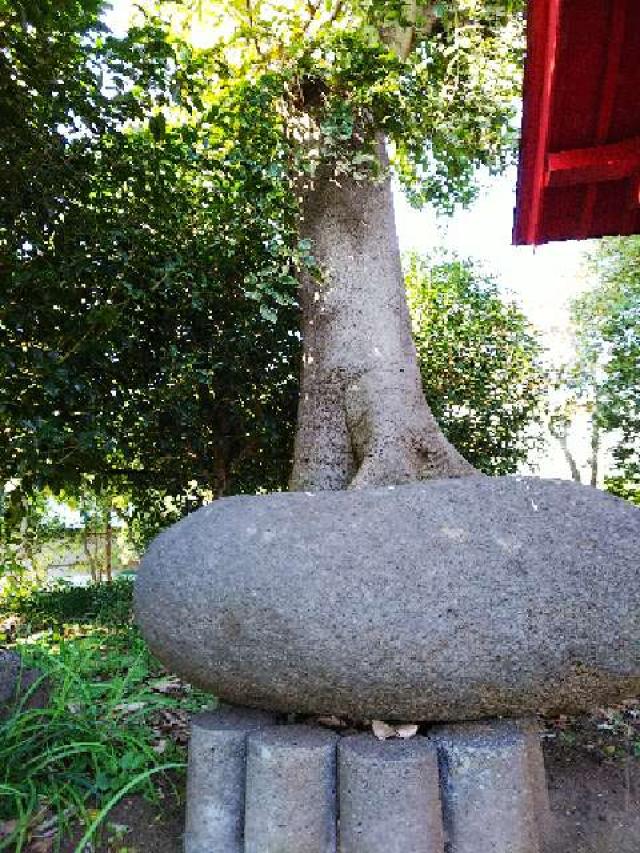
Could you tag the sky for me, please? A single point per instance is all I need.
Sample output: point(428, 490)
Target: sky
point(542, 280)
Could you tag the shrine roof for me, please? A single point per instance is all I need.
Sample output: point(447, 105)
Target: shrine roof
point(579, 171)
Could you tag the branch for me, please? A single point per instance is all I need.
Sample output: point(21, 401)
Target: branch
point(333, 14)
point(575, 473)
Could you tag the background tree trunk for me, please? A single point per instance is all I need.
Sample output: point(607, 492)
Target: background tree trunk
point(595, 450)
point(109, 547)
point(568, 455)
point(362, 419)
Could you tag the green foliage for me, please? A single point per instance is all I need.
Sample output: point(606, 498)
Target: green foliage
point(26, 525)
point(480, 361)
point(148, 218)
point(53, 606)
point(97, 732)
point(606, 366)
point(439, 80)
point(147, 313)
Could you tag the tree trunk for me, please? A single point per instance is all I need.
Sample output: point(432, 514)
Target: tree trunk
point(568, 455)
point(109, 547)
point(595, 450)
point(362, 419)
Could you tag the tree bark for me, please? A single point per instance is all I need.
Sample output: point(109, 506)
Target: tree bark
point(109, 547)
point(595, 450)
point(362, 418)
point(568, 455)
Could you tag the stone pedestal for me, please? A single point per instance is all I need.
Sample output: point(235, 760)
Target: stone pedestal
point(216, 779)
point(255, 787)
point(489, 775)
point(389, 796)
point(290, 802)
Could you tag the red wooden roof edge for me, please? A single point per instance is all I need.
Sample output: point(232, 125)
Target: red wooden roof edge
point(579, 170)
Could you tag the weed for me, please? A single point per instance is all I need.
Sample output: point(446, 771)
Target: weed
point(114, 724)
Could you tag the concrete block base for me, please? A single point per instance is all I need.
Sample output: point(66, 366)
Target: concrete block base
point(488, 777)
point(389, 796)
point(257, 787)
point(291, 791)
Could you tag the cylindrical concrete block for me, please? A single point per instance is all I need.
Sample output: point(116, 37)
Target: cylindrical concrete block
point(530, 728)
point(291, 791)
point(389, 796)
point(216, 779)
point(486, 788)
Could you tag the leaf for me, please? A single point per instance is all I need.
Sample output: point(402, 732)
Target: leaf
point(168, 685)
point(41, 845)
point(158, 126)
point(129, 707)
point(331, 722)
point(382, 730)
point(268, 313)
point(407, 730)
point(7, 827)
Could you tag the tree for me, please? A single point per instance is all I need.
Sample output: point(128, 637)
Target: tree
point(163, 243)
point(480, 362)
point(363, 419)
point(603, 376)
point(437, 81)
point(141, 344)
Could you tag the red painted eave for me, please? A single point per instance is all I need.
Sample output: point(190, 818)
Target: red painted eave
point(579, 171)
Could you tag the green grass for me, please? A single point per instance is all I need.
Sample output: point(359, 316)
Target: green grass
point(114, 724)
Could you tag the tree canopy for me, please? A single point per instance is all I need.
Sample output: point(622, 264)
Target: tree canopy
point(603, 376)
point(480, 360)
point(148, 214)
point(133, 345)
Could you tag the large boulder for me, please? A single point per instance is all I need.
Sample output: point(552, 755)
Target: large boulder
point(443, 600)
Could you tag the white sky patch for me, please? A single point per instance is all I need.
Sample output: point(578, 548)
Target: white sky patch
point(543, 279)
point(117, 16)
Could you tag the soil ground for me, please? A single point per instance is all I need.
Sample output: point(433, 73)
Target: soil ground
point(594, 790)
point(594, 794)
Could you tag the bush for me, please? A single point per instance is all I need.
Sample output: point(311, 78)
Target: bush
point(63, 603)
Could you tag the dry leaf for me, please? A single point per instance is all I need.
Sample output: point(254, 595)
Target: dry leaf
point(41, 845)
point(407, 730)
point(129, 707)
point(168, 685)
point(331, 722)
point(382, 730)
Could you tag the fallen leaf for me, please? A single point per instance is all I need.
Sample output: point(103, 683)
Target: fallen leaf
point(168, 685)
point(129, 707)
point(331, 722)
point(382, 730)
point(407, 730)
point(41, 845)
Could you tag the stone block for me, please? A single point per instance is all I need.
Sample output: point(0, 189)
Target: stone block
point(445, 600)
point(487, 789)
point(291, 791)
point(216, 779)
point(389, 796)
